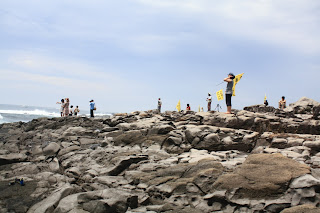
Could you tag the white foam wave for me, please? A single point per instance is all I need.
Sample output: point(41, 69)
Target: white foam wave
point(1, 117)
point(33, 112)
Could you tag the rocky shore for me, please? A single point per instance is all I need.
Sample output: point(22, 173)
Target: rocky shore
point(259, 159)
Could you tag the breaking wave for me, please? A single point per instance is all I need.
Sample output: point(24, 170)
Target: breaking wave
point(30, 112)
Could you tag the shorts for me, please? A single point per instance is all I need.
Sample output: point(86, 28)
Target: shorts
point(228, 99)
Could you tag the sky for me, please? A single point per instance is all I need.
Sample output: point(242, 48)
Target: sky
point(126, 54)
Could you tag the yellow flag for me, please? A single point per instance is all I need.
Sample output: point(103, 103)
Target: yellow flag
point(178, 106)
point(235, 81)
point(265, 97)
point(220, 95)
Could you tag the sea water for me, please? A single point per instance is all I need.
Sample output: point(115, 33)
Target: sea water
point(15, 113)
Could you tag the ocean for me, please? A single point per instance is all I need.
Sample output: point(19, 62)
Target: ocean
point(15, 113)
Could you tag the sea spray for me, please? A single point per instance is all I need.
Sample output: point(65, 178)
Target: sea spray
point(16, 113)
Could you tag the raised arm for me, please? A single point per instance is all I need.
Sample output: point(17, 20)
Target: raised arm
point(228, 79)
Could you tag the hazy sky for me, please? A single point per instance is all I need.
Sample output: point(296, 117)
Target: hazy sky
point(125, 54)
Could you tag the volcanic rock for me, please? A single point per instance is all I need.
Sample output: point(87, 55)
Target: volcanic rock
point(259, 159)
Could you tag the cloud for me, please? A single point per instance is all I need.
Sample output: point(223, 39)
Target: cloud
point(61, 83)
point(35, 74)
point(49, 71)
point(131, 51)
point(188, 5)
point(154, 44)
point(156, 26)
point(52, 65)
point(293, 24)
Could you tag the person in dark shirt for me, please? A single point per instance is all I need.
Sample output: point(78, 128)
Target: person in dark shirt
point(159, 105)
point(229, 91)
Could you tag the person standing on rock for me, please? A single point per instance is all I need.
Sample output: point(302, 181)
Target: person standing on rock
point(188, 107)
point(282, 103)
point(209, 100)
point(229, 91)
point(66, 107)
point(76, 111)
point(62, 107)
point(159, 105)
point(92, 108)
point(71, 110)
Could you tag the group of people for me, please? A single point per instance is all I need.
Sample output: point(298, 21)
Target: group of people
point(228, 92)
point(282, 103)
point(228, 96)
point(229, 80)
point(65, 110)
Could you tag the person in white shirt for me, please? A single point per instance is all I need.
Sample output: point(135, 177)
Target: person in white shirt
point(282, 103)
point(61, 108)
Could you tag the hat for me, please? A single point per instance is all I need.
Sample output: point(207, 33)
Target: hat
point(91, 101)
point(231, 74)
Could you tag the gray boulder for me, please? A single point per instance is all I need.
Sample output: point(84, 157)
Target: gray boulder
point(108, 200)
point(303, 106)
point(262, 176)
point(260, 108)
point(51, 149)
point(308, 208)
point(49, 204)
